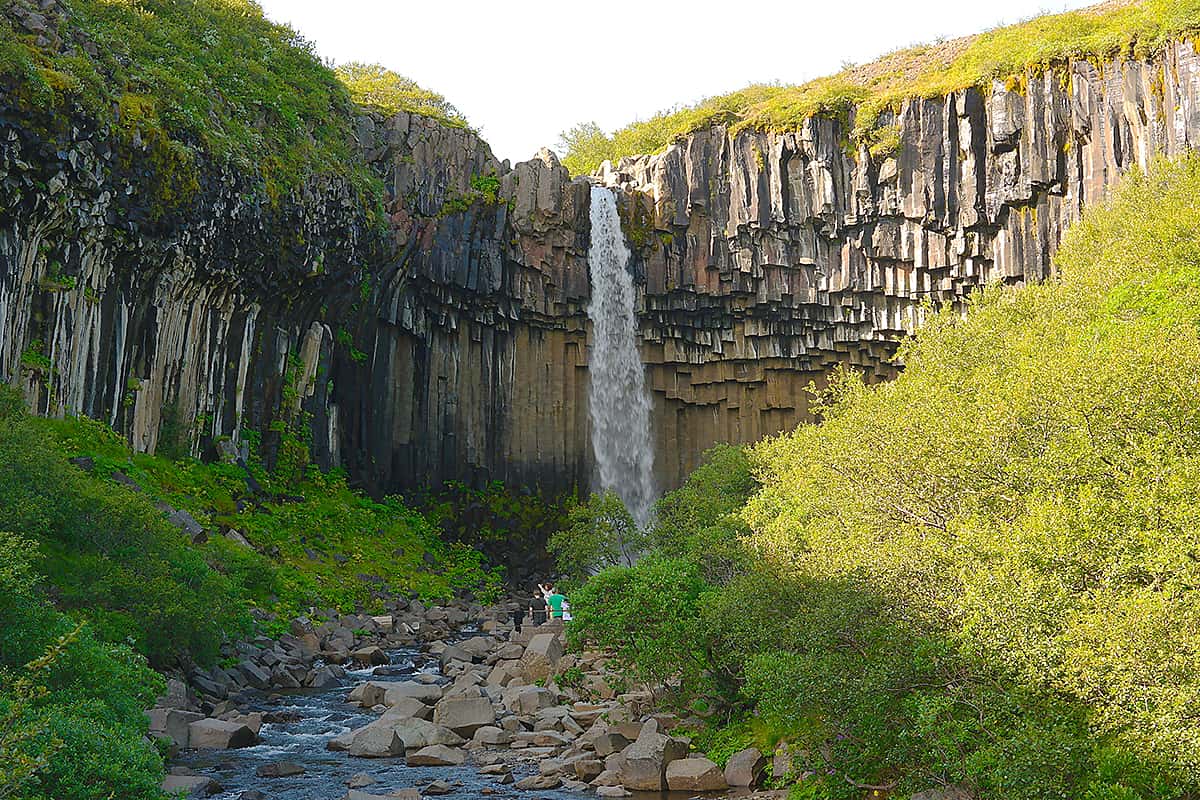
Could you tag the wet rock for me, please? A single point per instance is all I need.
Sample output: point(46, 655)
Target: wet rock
point(437, 755)
point(438, 788)
point(541, 782)
point(369, 656)
point(613, 791)
point(360, 780)
point(190, 785)
point(279, 769)
point(218, 734)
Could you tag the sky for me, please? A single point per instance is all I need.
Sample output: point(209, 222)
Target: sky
point(523, 71)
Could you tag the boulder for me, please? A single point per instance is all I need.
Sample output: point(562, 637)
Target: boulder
point(541, 656)
point(437, 788)
point(644, 762)
point(464, 715)
point(491, 736)
point(369, 694)
point(745, 768)
point(613, 791)
point(695, 775)
point(279, 769)
point(190, 785)
point(172, 723)
point(359, 780)
point(588, 769)
point(390, 736)
point(217, 734)
point(541, 782)
point(608, 743)
point(437, 755)
point(369, 656)
point(409, 708)
point(426, 693)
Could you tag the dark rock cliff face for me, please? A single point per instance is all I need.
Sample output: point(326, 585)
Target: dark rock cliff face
point(453, 343)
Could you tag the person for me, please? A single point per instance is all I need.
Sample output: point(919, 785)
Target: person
point(566, 611)
point(518, 616)
point(537, 608)
point(555, 601)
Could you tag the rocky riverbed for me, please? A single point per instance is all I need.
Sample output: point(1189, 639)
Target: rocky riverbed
point(424, 702)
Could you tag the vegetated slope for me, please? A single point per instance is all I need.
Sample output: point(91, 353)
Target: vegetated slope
point(192, 80)
point(984, 572)
point(1135, 28)
point(96, 583)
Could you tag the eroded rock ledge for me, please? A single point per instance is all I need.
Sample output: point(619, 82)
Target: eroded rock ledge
point(454, 344)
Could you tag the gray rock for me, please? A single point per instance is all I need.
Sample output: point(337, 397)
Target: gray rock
point(540, 782)
point(745, 768)
point(438, 788)
point(426, 693)
point(279, 769)
point(541, 656)
point(437, 755)
point(644, 762)
point(464, 715)
point(695, 775)
point(190, 785)
point(217, 734)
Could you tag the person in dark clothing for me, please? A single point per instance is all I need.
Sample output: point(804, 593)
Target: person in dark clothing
point(537, 608)
point(518, 616)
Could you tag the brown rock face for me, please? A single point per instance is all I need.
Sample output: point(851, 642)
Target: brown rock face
point(454, 344)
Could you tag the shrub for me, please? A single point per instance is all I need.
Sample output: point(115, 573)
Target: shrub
point(71, 706)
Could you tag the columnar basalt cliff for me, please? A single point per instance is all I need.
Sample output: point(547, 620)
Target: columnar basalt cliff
point(452, 342)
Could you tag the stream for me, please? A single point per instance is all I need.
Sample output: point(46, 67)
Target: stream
point(320, 715)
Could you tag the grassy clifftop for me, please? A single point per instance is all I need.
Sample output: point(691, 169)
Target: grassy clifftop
point(190, 77)
point(1130, 27)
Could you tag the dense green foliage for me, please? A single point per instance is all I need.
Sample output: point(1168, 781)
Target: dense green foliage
point(72, 725)
point(182, 81)
point(1046, 42)
point(112, 557)
point(984, 572)
point(509, 525)
point(598, 533)
point(373, 86)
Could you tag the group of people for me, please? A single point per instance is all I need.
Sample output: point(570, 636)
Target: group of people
point(547, 603)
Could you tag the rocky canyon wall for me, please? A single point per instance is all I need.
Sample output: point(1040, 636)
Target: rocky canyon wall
point(452, 343)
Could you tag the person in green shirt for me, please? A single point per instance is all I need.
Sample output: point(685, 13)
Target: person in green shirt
point(555, 601)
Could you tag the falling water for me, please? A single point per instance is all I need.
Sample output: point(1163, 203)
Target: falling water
point(618, 402)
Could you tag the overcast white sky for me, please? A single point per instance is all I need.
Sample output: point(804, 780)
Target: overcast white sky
point(524, 70)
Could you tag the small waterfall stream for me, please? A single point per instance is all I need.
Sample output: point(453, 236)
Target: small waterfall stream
point(618, 402)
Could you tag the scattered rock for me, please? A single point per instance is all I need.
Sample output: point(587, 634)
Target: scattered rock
point(695, 775)
point(217, 734)
point(464, 715)
point(539, 782)
point(541, 656)
point(190, 785)
point(360, 780)
point(613, 791)
point(279, 769)
point(437, 755)
point(744, 769)
point(438, 788)
point(644, 763)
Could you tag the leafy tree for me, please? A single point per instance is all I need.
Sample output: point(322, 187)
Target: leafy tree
point(597, 534)
point(701, 520)
point(374, 86)
point(584, 147)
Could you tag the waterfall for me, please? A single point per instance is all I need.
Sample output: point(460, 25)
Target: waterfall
point(619, 405)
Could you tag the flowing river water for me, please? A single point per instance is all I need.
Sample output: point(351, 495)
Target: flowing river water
point(318, 716)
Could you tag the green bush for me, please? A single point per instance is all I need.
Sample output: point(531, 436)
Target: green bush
point(598, 533)
point(71, 707)
point(109, 555)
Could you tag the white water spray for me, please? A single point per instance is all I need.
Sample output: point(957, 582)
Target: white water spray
point(618, 402)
